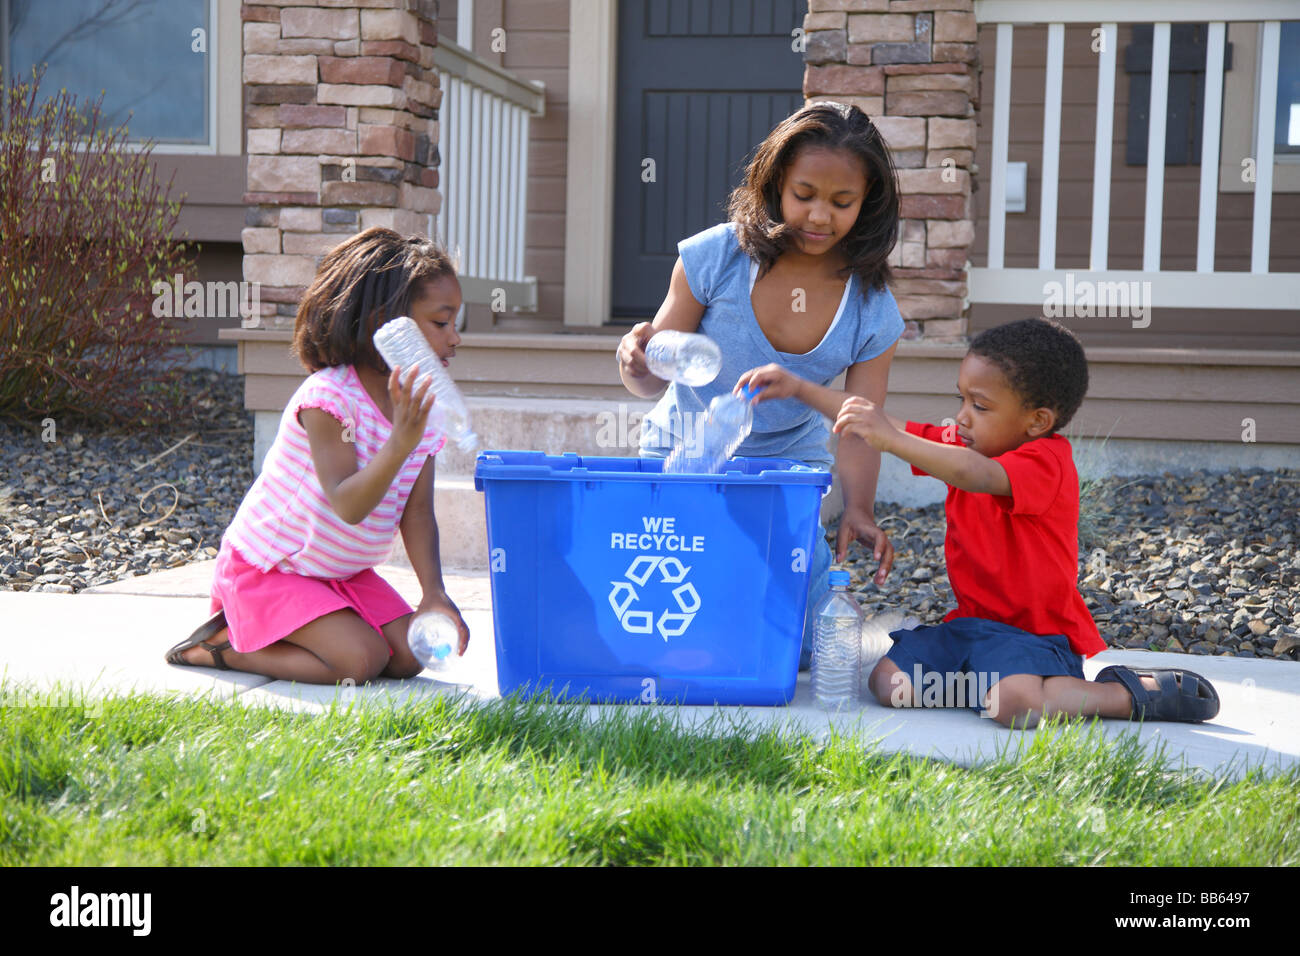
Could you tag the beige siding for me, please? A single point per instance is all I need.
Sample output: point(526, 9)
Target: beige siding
point(1165, 394)
point(536, 48)
point(1172, 328)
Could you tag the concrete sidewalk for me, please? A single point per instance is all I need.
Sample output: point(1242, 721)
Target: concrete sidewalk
point(110, 640)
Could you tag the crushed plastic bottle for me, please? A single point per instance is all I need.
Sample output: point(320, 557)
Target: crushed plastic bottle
point(401, 342)
point(876, 641)
point(686, 357)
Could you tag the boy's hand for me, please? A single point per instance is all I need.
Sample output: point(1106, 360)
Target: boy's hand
point(865, 419)
point(770, 381)
point(857, 525)
point(631, 350)
point(411, 406)
point(439, 601)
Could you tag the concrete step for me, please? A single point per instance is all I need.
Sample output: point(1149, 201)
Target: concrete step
point(552, 425)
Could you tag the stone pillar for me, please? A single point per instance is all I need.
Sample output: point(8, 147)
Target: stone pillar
point(913, 66)
point(341, 109)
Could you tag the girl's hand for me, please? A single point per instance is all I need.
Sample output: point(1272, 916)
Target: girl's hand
point(857, 525)
point(771, 381)
point(439, 601)
point(412, 403)
point(631, 350)
point(865, 419)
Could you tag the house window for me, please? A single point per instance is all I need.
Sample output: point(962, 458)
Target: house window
point(1240, 98)
point(151, 59)
point(1287, 139)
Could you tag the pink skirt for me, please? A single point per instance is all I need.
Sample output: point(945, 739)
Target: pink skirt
point(264, 606)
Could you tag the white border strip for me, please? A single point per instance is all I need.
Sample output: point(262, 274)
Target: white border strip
point(1130, 11)
point(1157, 117)
point(1211, 131)
point(1051, 145)
point(1001, 134)
point(1266, 111)
point(1168, 290)
point(1105, 138)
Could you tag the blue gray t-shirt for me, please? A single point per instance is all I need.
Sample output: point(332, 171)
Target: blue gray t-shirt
point(721, 276)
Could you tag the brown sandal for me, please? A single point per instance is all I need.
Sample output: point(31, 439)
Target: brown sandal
point(199, 638)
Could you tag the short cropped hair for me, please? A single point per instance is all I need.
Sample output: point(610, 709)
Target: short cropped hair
point(1043, 362)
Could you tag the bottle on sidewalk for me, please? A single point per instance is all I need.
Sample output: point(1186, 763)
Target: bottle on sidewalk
point(433, 639)
point(401, 342)
point(686, 357)
point(726, 426)
point(836, 653)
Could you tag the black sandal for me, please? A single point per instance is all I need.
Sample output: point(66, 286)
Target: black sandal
point(1183, 695)
point(199, 638)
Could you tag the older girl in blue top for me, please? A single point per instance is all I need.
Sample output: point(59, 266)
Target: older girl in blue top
point(796, 277)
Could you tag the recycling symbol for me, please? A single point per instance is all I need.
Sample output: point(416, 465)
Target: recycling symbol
point(670, 623)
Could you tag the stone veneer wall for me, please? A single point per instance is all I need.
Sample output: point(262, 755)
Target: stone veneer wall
point(913, 66)
point(341, 111)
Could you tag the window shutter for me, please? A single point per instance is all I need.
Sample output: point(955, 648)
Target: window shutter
point(1186, 92)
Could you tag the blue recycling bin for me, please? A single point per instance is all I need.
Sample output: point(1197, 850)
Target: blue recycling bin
point(612, 581)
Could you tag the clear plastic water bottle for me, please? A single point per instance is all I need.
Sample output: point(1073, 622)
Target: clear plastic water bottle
point(433, 639)
point(686, 357)
point(836, 653)
point(725, 428)
point(401, 342)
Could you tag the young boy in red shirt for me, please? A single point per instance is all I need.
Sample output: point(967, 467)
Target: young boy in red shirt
point(1020, 630)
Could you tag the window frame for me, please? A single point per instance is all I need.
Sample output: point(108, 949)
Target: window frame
point(210, 148)
point(1240, 124)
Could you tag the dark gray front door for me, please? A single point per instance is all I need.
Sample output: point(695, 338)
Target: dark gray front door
point(700, 84)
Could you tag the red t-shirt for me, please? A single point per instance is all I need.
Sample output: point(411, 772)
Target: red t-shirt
point(1016, 559)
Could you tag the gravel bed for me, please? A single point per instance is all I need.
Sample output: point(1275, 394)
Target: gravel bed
point(98, 504)
point(1201, 563)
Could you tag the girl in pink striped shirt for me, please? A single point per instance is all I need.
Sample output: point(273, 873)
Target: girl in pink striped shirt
point(295, 593)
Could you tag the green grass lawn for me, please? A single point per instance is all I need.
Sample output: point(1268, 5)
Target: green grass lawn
point(145, 780)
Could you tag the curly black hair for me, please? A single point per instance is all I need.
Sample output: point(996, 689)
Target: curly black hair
point(1043, 362)
point(755, 205)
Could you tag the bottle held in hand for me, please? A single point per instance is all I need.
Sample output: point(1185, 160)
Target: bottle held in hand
point(726, 426)
point(686, 357)
point(433, 639)
point(401, 342)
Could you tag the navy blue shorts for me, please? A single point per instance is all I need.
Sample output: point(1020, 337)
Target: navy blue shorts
point(954, 664)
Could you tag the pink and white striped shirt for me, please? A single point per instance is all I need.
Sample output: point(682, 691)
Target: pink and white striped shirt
point(285, 522)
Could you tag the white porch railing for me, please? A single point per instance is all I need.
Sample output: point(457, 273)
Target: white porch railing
point(1203, 288)
point(483, 144)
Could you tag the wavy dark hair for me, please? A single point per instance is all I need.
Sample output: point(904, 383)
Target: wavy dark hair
point(361, 284)
point(755, 205)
